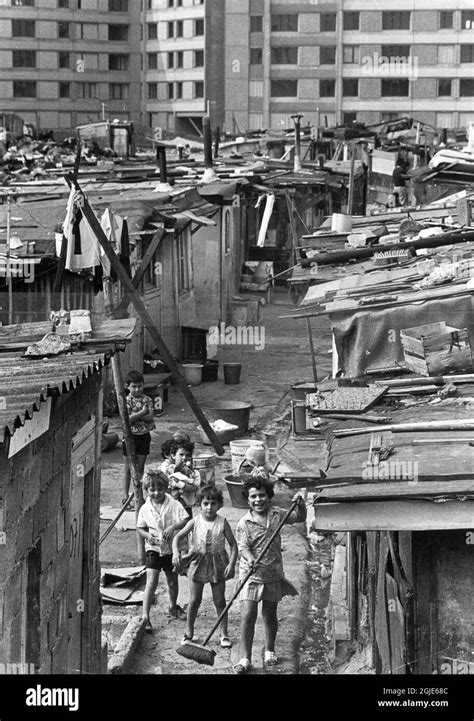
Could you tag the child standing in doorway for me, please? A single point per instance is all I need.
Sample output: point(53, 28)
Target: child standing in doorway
point(267, 584)
point(140, 410)
point(159, 519)
point(208, 561)
point(184, 480)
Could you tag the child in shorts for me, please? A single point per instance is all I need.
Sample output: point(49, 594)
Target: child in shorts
point(159, 519)
point(140, 410)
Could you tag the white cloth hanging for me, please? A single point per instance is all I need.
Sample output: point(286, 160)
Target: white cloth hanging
point(266, 219)
point(112, 225)
point(88, 257)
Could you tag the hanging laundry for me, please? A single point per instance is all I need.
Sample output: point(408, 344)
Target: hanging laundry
point(266, 219)
point(113, 226)
point(82, 245)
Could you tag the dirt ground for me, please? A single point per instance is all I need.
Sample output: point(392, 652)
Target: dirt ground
point(267, 376)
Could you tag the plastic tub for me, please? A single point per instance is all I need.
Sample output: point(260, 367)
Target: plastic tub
point(234, 489)
point(192, 373)
point(232, 373)
point(234, 412)
point(239, 448)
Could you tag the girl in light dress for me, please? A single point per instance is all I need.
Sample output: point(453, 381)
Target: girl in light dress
point(208, 560)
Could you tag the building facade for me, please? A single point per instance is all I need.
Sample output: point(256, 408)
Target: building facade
point(250, 64)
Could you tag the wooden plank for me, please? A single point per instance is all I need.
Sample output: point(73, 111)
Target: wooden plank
point(413, 515)
point(145, 262)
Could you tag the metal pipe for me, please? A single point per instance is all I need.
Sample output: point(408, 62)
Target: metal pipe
point(206, 128)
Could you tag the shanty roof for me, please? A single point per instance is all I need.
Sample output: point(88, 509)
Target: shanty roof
point(26, 383)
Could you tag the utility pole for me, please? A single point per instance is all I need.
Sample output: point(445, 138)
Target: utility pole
point(297, 163)
point(8, 267)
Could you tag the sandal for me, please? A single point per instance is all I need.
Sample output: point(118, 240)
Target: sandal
point(270, 658)
point(148, 627)
point(226, 642)
point(244, 666)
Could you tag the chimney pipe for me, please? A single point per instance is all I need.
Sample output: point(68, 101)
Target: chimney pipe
point(297, 121)
point(207, 133)
point(161, 161)
point(216, 142)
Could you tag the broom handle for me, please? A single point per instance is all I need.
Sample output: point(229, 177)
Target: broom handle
point(249, 573)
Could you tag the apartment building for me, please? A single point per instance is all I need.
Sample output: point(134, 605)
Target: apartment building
point(348, 60)
point(69, 62)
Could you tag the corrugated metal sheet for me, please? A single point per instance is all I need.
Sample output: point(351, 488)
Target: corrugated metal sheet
point(25, 383)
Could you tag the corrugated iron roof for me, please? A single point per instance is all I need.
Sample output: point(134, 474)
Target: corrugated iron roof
point(25, 383)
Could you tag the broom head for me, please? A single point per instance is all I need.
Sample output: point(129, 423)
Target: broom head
point(197, 652)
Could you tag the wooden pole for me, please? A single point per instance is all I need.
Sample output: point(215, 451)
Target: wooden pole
point(311, 345)
point(124, 415)
point(146, 318)
point(350, 200)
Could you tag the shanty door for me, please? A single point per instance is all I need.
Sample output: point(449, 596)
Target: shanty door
point(82, 462)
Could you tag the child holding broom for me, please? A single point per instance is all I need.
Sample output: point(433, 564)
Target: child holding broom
point(208, 561)
point(267, 583)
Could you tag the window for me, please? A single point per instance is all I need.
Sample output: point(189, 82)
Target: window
point(27, 3)
point(178, 91)
point(199, 89)
point(396, 20)
point(63, 3)
point(118, 62)
point(284, 88)
point(395, 51)
point(87, 31)
point(86, 91)
point(467, 20)
point(152, 31)
point(284, 23)
point(467, 53)
point(23, 28)
point(256, 23)
point(64, 89)
point(64, 59)
point(170, 60)
point(118, 6)
point(24, 89)
point(152, 91)
point(152, 61)
point(118, 91)
point(446, 54)
point(327, 22)
point(170, 91)
point(24, 58)
point(256, 56)
point(444, 87)
point(351, 20)
point(63, 30)
point(179, 28)
point(118, 32)
point(445, 120)
point(198, 27)
point(396, 87)
point(350, 54)
point(349, 118)
point(466, 87)
point(170, 31)
point(284, 56)
point(350, 87)
point(446, 20)
point(198, 58)
point(327, 88)
point(180, 59)
point(327, 55)
point(182, 251)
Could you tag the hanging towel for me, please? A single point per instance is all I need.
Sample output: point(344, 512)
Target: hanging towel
point(82, 245)
point(112, 225)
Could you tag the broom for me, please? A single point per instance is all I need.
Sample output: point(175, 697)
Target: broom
point(197, 651)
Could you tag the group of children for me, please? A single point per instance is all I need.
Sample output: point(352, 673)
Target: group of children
point(166, 520)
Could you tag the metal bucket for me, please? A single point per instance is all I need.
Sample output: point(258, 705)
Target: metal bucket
point(205, 464)
point(234, 489)
point(233, 412)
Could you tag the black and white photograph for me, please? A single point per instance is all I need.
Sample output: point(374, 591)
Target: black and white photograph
point(236, 354)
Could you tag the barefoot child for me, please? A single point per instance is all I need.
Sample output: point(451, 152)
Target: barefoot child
point(209, 562)
point(267, 584)
point(159, 519)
